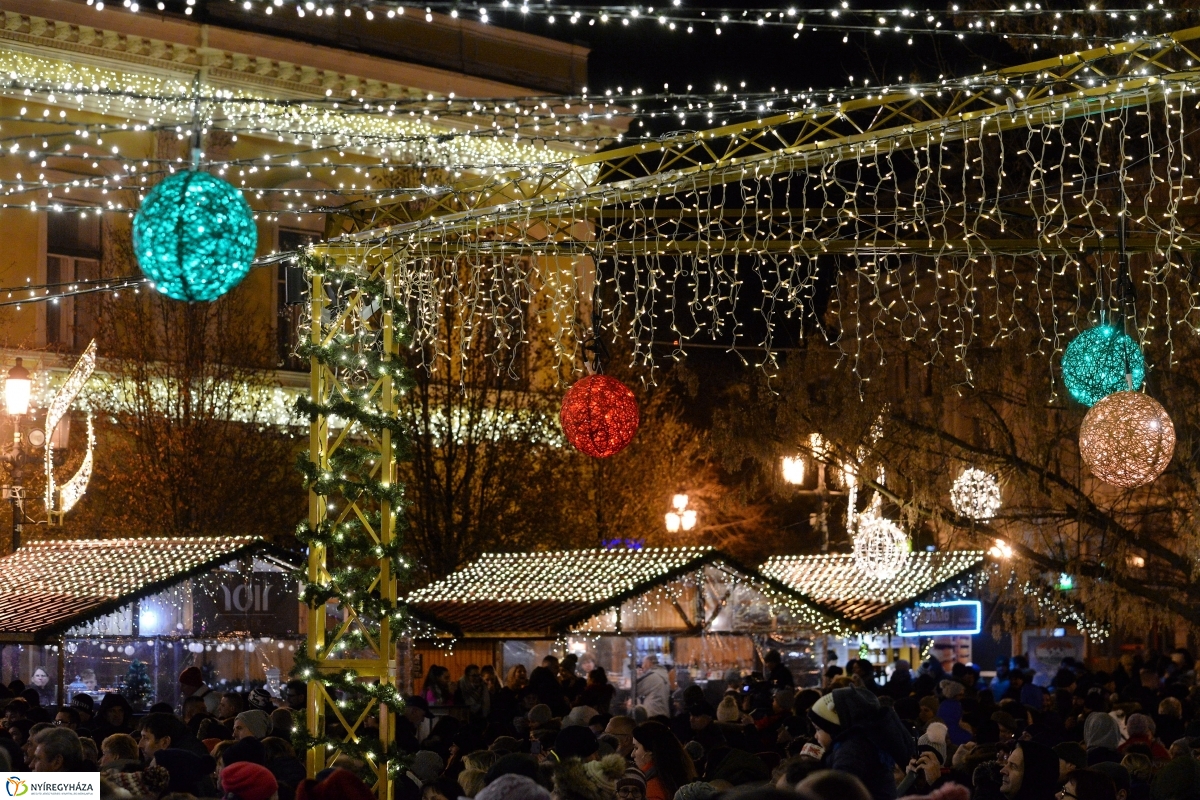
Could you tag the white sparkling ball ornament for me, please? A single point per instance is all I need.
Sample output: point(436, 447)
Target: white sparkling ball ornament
point(975, 495)
point(880, 548)
point(1127, 439)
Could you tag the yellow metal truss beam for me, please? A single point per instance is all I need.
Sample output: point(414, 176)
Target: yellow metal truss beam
point(1038, 93)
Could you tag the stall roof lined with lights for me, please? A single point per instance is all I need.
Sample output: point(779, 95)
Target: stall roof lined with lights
point(548, 594)
point(833, 581)
point(50, 587)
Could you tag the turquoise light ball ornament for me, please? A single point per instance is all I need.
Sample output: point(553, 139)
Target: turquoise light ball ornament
point(194, 236)
point(1097, 361)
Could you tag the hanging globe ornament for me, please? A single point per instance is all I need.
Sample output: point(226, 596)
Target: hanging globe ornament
point(975, 495)
point(599, 416)
point(881, 549)
point(1127, 439)
point(194, 236)
point(1097, 361)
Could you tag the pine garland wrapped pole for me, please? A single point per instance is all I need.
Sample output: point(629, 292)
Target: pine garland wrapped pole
point(353, 527)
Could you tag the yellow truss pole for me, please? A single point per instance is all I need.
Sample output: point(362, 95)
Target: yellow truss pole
point(377, 661)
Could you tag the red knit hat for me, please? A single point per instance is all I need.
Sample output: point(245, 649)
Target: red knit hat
point(341, 784)
point(247, 781)
point(191, 677)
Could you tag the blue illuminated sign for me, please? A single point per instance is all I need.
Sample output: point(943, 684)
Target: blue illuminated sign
point(949, 618)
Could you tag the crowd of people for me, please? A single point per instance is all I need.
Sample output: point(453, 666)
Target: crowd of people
point(554, 733)
point(925, 732)
point(234, 745)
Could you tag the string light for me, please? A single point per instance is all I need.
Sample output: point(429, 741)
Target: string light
point(1100, 361)
point(975, 495)
point(1127, 439)
point(836, 582)
point(194, 237)
point(522, 591)
point(59, 582)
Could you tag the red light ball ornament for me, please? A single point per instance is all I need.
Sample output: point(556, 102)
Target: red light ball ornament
point(599, 416)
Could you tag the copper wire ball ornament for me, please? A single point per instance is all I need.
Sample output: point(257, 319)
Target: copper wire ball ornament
point(1127, 439)
point(599, 416)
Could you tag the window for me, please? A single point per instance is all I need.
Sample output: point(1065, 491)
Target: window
point(73, 253)
point(287, 323)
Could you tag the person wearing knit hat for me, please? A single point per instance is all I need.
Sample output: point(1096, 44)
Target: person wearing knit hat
point(862, 737)
point(1071, 756)
point(248, 749)
point(579, 716)
point(427, 766)
point(540, 715)
point(513, 787)
point(952, 690)
point(696, 790)
point(631, 785)
point(1142, 731)
point(191, 684)
point(576, 741)
point(340, 784)
point(727, 710)
point(935, 739)
point(261, 699)
point(246, 781)
point(251, 723)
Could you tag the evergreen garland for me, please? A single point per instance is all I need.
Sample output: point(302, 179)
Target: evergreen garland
point(356, 356)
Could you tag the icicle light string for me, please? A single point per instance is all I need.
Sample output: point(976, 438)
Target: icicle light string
point(955, 242)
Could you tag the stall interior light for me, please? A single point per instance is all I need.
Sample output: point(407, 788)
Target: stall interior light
point(975, 628)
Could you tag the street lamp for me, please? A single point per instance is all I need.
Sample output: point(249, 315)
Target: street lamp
point(680, 517)
point(795, 472)
point(17, 390)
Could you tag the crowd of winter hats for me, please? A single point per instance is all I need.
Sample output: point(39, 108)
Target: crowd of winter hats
point(553, 735)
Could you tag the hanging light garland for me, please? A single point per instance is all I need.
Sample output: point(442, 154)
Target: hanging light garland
point(975, 495)
point(1097, 362)
point(1127, 439)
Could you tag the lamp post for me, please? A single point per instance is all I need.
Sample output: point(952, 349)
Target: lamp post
point(680, 517)
point(794, 472)
point(17, 390)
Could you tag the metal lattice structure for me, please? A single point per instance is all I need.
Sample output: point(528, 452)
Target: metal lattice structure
point(490, 222)
point(1043, 92)
point(372, 656)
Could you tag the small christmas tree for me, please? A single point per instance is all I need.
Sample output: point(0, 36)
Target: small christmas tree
point(136, 686)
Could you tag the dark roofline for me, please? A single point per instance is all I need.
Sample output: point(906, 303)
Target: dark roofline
point(589, 611)
point(42, 635)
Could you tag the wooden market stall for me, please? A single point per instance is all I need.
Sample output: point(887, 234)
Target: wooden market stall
point(705, 616)
point(934, 601)
point(101, 615)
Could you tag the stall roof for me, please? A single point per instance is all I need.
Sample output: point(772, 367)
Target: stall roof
point(50, 586)
point(545, 593)
point(834, 581)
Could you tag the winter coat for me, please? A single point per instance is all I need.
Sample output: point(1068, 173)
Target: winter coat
point(872, 741)
point(654, 691)
point(656, 787)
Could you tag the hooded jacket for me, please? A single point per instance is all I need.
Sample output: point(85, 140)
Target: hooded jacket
point(870, 743)
point(1040, 779)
